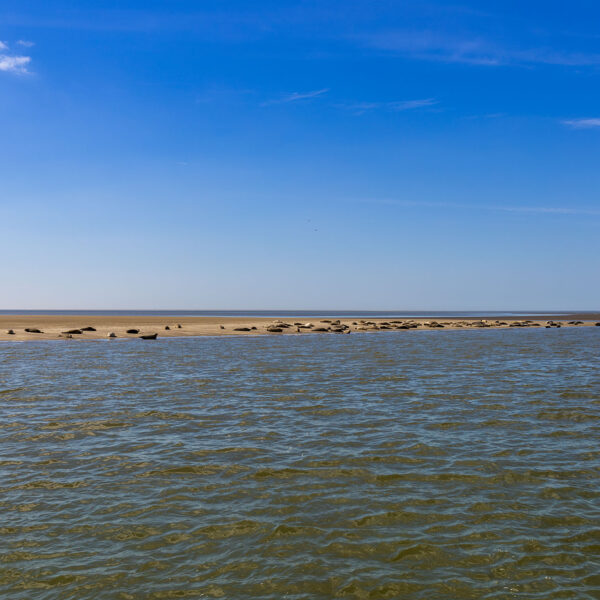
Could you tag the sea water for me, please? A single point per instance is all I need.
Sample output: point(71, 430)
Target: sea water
point(404, 464)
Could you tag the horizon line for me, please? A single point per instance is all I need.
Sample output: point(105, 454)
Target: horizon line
point(538, 310)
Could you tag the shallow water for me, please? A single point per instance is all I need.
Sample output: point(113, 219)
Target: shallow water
point(418, 465)
point(290, 314)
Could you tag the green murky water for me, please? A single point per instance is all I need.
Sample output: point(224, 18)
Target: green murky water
point(419, 465)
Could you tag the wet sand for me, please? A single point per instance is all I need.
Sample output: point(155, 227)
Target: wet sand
point(56, 327)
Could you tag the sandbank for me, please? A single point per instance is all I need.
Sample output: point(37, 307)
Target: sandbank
point(55, 327)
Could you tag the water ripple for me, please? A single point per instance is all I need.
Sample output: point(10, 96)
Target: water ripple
point(444, 464)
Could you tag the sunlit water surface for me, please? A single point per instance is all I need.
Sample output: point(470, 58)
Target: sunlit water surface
point(418, 465)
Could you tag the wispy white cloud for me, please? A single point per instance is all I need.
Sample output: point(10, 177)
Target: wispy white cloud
point(534, 210)
point(25, 43)
point(14, 64)
point(549, 210)
point(296, 96)
point(411, 104)
point(474, 50)
point(582, 123)
point(357, 107)
point(547, 56)
point(431, 45)
point(11, 63)
point(360, 108)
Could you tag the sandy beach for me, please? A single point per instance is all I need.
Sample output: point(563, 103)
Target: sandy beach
point(82, 327)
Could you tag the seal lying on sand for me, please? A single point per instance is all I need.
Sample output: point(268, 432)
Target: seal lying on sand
point(132, 331)
point(32, 330)
point(149, 336)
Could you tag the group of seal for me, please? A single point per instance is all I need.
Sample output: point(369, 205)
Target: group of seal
point(71, 332)
point(332, 326)
point(336, 326)
point(328, 326)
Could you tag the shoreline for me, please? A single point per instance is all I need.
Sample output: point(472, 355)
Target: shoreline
point(72, 327)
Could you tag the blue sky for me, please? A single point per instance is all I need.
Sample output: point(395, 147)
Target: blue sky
point(322, 154)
